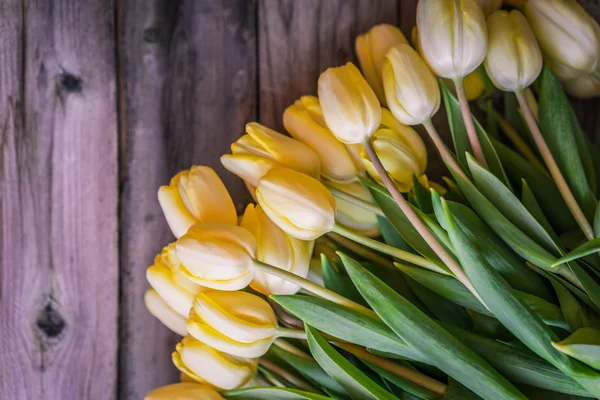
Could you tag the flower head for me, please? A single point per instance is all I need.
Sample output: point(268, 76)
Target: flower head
point(350, 107)
point(184, 391)
point(196, 195)
point(298, 204)
point(237, 323)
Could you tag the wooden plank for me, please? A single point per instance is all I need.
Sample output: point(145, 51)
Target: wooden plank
point(188, 87)
point(58, 188)
point(300, 39)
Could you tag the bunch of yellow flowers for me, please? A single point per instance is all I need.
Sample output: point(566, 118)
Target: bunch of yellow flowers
point(307, 184)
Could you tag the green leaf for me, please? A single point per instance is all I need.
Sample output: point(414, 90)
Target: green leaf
point(368, 331)
point(403, 383)
point(461, 139)
point(426, 336)
point(456, 292)
point(456, 391)
point(508, 204)
point(354, 382)
point(542, 185)
point(271, 393)
point(349, 325)
point(587, 283)
point(309, 368)
point(391, 235)
point(518, 365)
point(397, 218)
point(501, 257)
point(584, 345)
point(564, 138)
point(511, 311)
point(441, 309)
point(422, 197)
point(339, 282)
point(520, 242)
point(590, 247)
point(597, 221)
point(531, 204)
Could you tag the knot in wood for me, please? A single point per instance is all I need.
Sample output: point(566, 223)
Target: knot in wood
point(50, 322)
point(69, 83)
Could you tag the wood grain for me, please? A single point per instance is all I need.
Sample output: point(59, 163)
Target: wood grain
point(188, 73)
point(58, 188)
point(300, 39)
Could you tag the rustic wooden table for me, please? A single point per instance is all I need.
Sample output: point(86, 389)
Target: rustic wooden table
point(102, 101)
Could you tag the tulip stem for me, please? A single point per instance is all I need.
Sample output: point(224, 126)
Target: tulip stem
point(340, 194)
point(387, 249)
point(441, 147)
point(309, 286)
point(558, 177)
point(468, 121)
point(414, 219)
point(363, 251)
point(290, 333)
point(395, 368)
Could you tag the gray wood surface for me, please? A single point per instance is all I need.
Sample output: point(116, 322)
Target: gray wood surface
point(188, 86)
point(59, 197)
point(100, 104)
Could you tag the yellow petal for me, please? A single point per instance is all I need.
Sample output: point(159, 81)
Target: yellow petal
point(178, 298)
point(184, 391)
point(165, 314)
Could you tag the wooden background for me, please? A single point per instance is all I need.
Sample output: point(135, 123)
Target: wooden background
point(101, 101)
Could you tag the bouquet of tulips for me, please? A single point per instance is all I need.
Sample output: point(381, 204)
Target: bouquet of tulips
point(353, 275)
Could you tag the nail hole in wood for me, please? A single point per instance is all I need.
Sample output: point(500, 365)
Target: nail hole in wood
point(50, 322)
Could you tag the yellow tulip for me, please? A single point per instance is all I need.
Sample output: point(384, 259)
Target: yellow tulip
point(473, 82)
point(411, 89)
point(489, 6)
point(165, 314)
point(277, 248)
point(184, 391)
point(565, 32)
point(196, 195)
point(452, 36)
point(205, 364)
point(583, 87)
point(297, 203)
point(354, 217)
point(371, 48)
point(217, 256)
point(514, 59)
point(168, 281)
point(236, 323)
point(350, 107)
point(305, 122)
point(262, 148)
point(398, 155)
point(408, 136)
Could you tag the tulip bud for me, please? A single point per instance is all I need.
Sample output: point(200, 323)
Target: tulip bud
point(513, 60)
point(297, 203)
point(217, 256)
point(165, 314)
point(305, 122)
point(168, 281)
point(350, 107)
point(371, 48)
point(473, 82)
point(184, 391)
point(352, 216)
point(452, 35)
point(196, 195)
point(583, 87)
point(411, 89)
point(237, 323)
point(489, 6)
point(565, 32)
point(277, 248)
point(262, 148)
point(399, 155)
point(205, 364)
